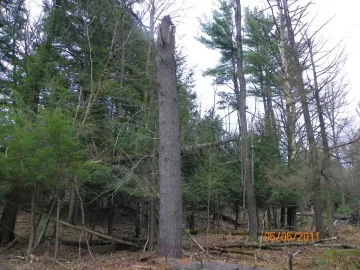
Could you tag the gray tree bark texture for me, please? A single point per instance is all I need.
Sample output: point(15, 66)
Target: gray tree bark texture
point(241, 103)
point(170, 220)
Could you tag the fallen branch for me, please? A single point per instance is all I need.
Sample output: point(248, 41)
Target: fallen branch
point(235, 251)
point(241, 252)
point(98, 234)
point(345, 246)
point(289, 244)
point(194, 240)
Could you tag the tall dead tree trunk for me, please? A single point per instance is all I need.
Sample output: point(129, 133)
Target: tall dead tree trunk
point(241, 106)
point(289, 104)
point(170, 220)
point(325, 143)
point(32, 226)
point(314, 158)
point(289, 101)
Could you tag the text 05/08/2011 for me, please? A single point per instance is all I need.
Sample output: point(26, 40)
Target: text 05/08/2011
point(291, 236)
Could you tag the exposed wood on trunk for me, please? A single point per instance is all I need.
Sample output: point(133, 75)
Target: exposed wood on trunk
point(289, 104)
point(241, 106)
point(289, 100)
point(170, 222)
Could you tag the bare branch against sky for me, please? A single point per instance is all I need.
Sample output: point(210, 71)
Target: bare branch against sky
point(344, 26)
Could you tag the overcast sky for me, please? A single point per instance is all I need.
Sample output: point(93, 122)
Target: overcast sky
point(344, 26)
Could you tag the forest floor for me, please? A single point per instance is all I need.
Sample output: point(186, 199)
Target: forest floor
point(105, 256)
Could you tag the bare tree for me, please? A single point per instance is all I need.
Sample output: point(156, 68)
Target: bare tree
point(325, 171)
point(334, 98)
point(296, 69)
point(241, 106)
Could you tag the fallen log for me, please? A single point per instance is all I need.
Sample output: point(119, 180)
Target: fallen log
point(99, 234)
point(288, 244)
point(239, 251)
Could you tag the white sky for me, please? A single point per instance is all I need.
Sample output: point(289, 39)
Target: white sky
point(344, 26)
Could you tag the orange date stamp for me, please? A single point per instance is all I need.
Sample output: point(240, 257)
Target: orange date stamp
point(291, 236)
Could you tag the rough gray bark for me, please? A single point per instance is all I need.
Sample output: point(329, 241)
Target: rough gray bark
point(170, 221)
point(314, 158)
point(241, 104)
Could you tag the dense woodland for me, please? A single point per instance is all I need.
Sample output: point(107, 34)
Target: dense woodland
point(85, 132)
